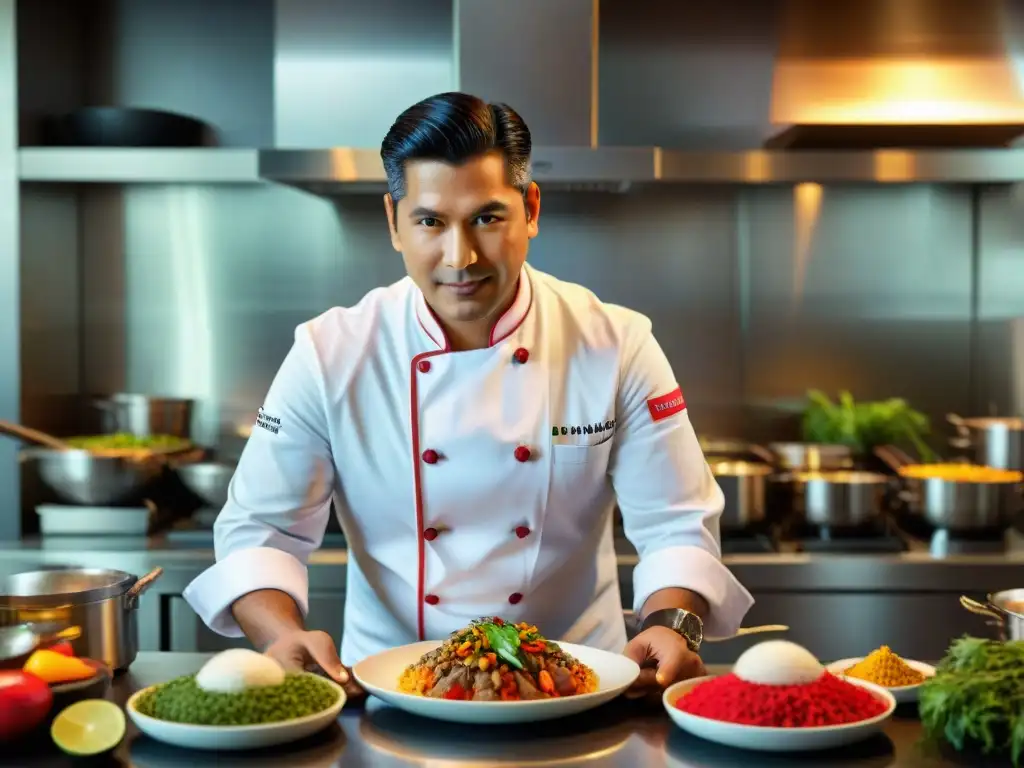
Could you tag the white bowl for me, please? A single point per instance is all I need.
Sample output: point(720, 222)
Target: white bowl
point(234, 737)
point(768, 739)
point(379, 676)
point(903, 693)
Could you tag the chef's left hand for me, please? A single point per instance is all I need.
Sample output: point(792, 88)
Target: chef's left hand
point(664, 659)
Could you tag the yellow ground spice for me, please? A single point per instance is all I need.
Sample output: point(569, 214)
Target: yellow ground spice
point(885, 668)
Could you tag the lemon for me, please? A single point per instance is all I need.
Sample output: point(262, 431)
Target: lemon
point(88, 727)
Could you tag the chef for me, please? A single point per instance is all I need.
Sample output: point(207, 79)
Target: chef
point(476, 424)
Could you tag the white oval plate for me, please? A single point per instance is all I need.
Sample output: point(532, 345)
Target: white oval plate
point(903, 693)
point(767, 739)
point(379, 676)
point(233, 737)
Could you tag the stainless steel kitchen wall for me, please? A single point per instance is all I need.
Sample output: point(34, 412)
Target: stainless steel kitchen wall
point(755, 294)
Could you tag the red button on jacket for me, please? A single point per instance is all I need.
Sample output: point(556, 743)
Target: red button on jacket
point(430, 456)
point(431, 599)
point(514, 598)
point(522, 453)
point(521, 355)
point(430, 534)
point(522, 531)
point(423, 365)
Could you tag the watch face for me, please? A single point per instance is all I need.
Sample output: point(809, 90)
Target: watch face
point(693, 628)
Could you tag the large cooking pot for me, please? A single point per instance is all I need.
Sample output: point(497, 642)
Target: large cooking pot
point(102, 602)
point(993, 442)
point(952, 503)
point(743, 484)
point(1004, 609)
point(838, 499)
point(147, 416)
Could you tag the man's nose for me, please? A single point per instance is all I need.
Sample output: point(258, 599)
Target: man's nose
point(460, 250)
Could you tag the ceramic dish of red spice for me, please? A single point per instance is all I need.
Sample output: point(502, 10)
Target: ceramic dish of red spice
point(789, 710)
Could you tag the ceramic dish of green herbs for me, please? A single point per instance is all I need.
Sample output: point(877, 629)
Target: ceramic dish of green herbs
point(180, 713)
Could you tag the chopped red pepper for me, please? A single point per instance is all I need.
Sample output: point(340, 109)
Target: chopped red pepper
point(534, 647)
point(63, 648)
point(457, 693)
point(497, 621)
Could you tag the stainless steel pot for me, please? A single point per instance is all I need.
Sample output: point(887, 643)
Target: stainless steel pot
point(208, 480)
point(811, 456)
point(838, 499)
point(743, 484)
point(102, 602)
point(82, 477)
point(147, 416)
point(1004, 609)
point(993, 442)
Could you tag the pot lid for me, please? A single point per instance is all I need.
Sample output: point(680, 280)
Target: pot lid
point(58, 586)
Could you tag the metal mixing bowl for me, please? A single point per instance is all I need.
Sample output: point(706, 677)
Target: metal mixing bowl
point(81, 477)
point(208, 480)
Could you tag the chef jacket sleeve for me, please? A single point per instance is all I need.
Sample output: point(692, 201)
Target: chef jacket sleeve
point(278, 500)
point(669, 499)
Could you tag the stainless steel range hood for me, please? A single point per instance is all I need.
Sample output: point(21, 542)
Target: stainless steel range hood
point(555, 87)
point(881, 74)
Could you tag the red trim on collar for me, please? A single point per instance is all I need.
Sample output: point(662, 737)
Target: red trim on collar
point(507, 324)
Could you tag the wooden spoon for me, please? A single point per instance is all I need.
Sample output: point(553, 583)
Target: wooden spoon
point(34, 436)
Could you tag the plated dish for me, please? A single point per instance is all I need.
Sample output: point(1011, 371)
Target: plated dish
point(240, 699)
point(493, 671)
point(779, 698)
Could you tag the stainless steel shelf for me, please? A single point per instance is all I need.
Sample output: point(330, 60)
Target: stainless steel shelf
point(103, 165)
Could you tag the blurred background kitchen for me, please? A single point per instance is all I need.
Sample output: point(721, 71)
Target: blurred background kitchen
point(802, 196)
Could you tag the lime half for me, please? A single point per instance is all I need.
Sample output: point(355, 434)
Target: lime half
point(88, 727)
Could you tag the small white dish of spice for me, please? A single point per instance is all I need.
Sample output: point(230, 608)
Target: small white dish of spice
point(901, 677)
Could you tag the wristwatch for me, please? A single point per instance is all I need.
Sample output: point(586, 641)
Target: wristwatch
point(685, 624)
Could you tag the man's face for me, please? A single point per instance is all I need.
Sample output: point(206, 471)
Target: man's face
point(463, 233)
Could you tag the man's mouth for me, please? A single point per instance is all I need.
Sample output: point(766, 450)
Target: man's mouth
point(466, 287)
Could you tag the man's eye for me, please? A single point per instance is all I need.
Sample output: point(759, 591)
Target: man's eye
point(429, 222)
point(486, 219)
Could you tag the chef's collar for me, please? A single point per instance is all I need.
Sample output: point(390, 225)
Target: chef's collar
point(509, 321)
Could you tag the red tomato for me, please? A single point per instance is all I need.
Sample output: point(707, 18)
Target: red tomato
point(63, 648)
point(456, 693)
point(25, 701)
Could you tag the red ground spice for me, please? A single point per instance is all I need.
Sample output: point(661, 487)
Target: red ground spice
point(827, 701)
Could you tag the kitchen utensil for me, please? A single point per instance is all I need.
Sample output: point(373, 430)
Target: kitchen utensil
point(994, 442)
point(1008, 623)
point(123, 127)
point(19, 642)
point(208, 480)
point(33, 436)
point(811, 456)
point(768, 739)
point(234, 737)
point(954, 505)
point(102, 602)
point(838, 499)
point(379, 674)
point(743, 484)
point(146, 416)
point(743, 631)
point(82, 477)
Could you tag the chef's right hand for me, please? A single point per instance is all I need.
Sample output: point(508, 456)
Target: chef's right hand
point(311, 651)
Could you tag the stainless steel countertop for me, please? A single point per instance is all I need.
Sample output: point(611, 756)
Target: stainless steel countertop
point(372, 734)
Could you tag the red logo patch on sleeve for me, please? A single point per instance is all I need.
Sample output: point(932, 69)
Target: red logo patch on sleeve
point(666, 405)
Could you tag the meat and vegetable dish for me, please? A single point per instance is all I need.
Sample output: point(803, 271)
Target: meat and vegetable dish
point(127, 445)
point(492, 660)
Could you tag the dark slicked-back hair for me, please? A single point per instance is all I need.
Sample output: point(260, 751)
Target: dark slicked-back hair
point(454, 128)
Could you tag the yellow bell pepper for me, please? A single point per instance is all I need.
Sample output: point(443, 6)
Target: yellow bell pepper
point(53, 667)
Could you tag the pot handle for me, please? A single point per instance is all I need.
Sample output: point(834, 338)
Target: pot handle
point(131, 597)
point(982, 609)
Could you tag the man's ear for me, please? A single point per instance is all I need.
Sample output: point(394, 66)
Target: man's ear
point(532, 202)
point(389, 208)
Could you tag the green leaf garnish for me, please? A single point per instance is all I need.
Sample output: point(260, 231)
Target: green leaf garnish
point(505, 644)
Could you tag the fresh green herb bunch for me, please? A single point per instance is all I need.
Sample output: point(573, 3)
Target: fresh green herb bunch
point(977, 697)
point(862, 426)
point(182, 701)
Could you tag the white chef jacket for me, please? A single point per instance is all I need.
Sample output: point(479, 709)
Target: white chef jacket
point(473, 483)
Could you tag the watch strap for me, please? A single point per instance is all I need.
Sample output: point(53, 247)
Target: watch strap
point(684, 623)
